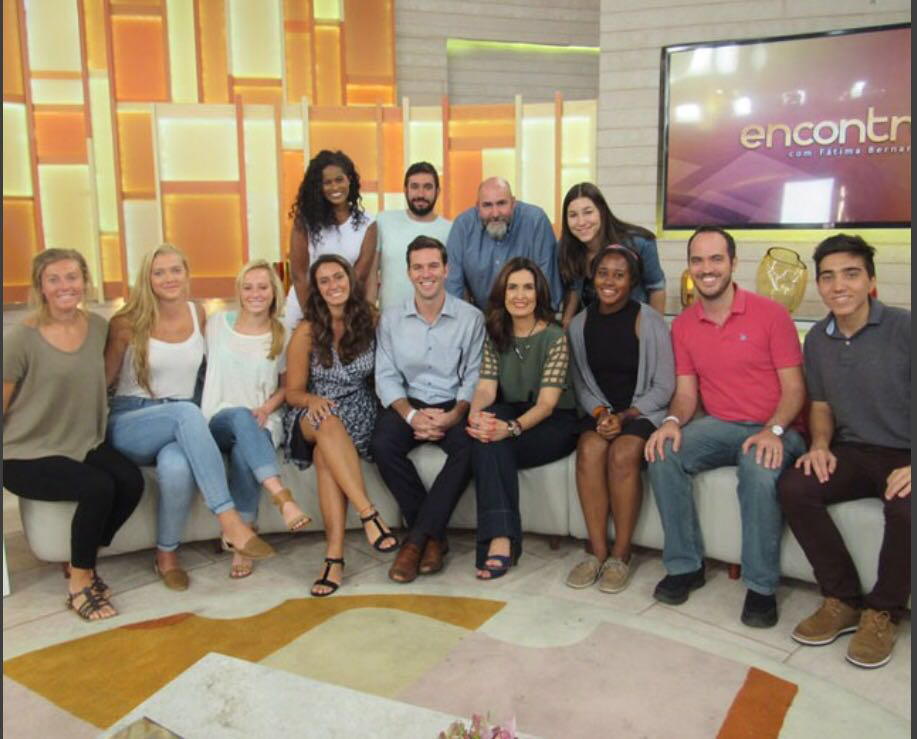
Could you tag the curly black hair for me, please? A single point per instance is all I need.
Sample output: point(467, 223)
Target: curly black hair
point(311, 212)
point(359, 317)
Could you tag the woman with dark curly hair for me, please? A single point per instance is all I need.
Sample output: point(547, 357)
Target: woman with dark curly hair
point(328, 218)
point(333, 408)
point(589, 226)
point(526, 363)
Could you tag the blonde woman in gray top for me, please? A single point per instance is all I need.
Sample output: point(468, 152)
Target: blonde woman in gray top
point(54, 409)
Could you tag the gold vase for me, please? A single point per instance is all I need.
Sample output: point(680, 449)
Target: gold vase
point(782, 277)
point(687, 289)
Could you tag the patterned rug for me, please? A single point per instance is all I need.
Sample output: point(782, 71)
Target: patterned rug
point(429, 651)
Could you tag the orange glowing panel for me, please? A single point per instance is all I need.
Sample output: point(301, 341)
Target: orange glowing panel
point(110, 246)
point(465, 174)
point(208, 229)
point(214, 67)
point(393, 164)
point(297, 10)
point(94, 21)
point(298, 52)
point(135, 144)
point(257, 93)
point(139, 53)
point(370, 94)
point(356, 139)
point(369, 47)
point(20, 243)
point(293, 170)
point(60, 136)
point(12, 59)
point(328, 73)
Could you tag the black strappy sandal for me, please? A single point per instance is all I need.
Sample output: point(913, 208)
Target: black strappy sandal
point(383, 534)
point(98, 584)
point(323, 580)
point(92, 604)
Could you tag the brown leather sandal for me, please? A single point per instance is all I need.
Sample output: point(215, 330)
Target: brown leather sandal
point(280, 500)
point(92, 604)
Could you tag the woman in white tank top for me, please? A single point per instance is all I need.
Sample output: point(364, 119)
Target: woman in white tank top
point(243, 394)
point(154, 351)
point(328, 218)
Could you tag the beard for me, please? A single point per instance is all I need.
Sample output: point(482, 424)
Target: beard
point(497, 228)
point(421, 206)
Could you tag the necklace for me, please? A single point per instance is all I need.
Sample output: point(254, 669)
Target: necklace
point(517, 341)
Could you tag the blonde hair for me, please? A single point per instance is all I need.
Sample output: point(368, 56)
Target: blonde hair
point(142, 311)
point(277, 329)
point(40, 262)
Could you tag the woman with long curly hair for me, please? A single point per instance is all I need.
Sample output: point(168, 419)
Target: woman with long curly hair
point(54, 411)
point(328, 218)
point(589, 226)
point(526, 363)
point(243, 395)
point(154, 352)
point(330, 364)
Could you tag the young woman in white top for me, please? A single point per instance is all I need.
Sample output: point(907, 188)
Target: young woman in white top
point(154, 351)
point(243, 394)
point(54, 411)
point(328, 218)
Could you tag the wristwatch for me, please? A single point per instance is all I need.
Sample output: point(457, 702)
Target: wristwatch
point(514, 428)
point(777, 429)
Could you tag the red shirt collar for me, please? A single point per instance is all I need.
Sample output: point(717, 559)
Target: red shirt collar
point(739, 301)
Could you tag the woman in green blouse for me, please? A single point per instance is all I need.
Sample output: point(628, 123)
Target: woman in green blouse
point(525, 368)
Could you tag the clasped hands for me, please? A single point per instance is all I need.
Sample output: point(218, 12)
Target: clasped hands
point(485, 427)
point(431, 424)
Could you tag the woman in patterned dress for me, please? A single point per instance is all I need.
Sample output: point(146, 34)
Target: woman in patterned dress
point(333, 407)
point(526, 363)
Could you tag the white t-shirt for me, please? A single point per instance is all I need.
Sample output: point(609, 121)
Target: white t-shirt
point(173, 366)
point(344, 240)
point(239, 374)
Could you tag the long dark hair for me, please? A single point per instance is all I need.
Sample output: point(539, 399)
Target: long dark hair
point(359, 317)
point(571, 253)
point(311, 211)
point(498, 321)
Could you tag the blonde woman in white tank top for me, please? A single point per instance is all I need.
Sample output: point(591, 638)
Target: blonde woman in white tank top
point(154, 351)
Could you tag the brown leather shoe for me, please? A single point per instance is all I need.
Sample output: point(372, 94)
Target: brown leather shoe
point(404, 568)
point(433, 554)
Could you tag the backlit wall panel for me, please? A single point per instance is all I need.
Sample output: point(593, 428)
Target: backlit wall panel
point(130, 122)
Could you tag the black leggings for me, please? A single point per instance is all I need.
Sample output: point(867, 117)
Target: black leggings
point(106, 487)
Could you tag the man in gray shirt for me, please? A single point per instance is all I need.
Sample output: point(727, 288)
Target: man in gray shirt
point(428, 353)
point(858, 369)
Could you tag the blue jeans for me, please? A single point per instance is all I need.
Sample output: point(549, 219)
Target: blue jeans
point(252, 458)
point(174, 435)
point(708, 443)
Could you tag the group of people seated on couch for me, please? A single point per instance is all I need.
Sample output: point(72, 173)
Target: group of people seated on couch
point(505, 348)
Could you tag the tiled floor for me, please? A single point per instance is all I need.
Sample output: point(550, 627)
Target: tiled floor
point(34, 614)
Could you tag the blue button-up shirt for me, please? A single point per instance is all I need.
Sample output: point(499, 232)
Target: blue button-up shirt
point(475, 258)
point(432, 362)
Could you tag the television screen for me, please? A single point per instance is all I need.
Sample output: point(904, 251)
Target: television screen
point(806, 131)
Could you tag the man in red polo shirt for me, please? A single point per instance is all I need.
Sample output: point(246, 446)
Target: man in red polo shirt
point(738, 352)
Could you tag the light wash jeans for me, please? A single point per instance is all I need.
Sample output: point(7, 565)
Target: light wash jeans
point(708, 443)
point(252, 458)
point(174, 435)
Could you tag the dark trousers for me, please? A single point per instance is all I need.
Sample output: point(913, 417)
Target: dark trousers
point(861, 472)
point(496, 466)
point(106, 487)
point(426, 514)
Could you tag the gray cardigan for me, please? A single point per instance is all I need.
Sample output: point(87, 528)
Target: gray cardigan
point(655, 367)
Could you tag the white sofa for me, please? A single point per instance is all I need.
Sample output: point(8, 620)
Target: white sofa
point(549, 505)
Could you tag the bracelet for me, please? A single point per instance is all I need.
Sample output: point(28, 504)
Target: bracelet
point(598, 411)
point(672, 418)
point(410, 416)
point(514, 427)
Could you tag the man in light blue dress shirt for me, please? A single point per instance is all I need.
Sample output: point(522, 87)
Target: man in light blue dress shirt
point(428, 353)
point(489, 234)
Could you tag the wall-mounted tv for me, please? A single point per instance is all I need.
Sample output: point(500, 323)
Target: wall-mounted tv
point(794, 132)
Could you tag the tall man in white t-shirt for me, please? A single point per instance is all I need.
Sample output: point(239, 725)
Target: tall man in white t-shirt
point(386, 241)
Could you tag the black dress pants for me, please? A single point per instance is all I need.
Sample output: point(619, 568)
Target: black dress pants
point(426, 513)
point(106, 487)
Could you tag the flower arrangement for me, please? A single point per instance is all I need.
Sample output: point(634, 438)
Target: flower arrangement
point(479, 729)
